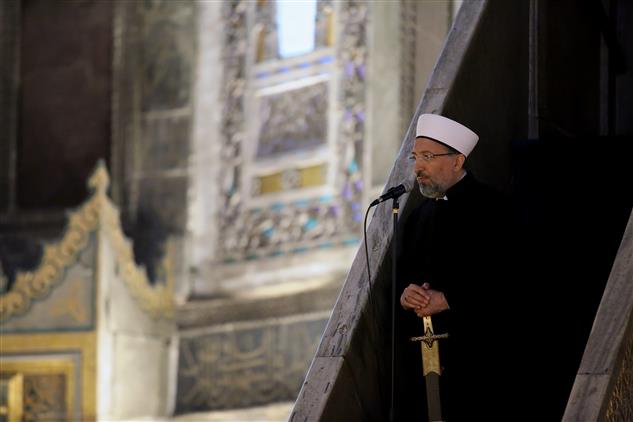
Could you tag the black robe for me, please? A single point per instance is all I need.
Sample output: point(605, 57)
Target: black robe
point(461, 246)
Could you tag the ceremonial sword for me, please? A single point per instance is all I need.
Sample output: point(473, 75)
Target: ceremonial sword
point(429, 344)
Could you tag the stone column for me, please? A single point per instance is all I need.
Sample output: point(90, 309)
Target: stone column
point(206, 146)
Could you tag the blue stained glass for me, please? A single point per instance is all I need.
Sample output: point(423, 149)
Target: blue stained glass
point(296, 21)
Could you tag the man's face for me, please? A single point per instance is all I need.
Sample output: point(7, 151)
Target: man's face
point(435, 176)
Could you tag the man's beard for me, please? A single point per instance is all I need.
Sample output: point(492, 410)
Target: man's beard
point(432, 190)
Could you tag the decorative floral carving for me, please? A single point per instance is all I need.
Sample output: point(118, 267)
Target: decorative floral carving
point(44, 397)
point(97, 212)
point(57, 257)
point(246, 366)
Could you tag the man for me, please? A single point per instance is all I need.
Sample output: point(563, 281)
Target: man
point(451, 267)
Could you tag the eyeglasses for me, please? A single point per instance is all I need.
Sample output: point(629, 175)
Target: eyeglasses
point(429, 156)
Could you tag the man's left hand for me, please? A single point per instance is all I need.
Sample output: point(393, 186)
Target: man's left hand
point(436, 305)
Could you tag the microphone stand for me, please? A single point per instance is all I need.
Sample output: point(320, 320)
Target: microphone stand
point(394, 258)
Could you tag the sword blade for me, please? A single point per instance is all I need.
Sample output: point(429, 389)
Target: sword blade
point(433, 397)
point(432, 372)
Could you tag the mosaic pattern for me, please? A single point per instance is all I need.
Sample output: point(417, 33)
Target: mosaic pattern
point(247, 233)
point(232, 126)
point(293, 120)
point(352, 55)
point(246, 367)
point(620, 408)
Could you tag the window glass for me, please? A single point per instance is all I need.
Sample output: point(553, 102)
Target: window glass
point(295, 26)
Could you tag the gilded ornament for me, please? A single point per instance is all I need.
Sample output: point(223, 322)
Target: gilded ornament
point(96, 212)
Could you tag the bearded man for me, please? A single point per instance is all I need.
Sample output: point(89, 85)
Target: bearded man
point(452, 265)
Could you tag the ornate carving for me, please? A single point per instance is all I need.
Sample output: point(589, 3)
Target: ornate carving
point(352, 55)
point(44, 398)
point(156, 300)
point(293, 120)
point(59, 256)
point(232, 126)
point(246, 366)
point(620, 406)
point(47, 390)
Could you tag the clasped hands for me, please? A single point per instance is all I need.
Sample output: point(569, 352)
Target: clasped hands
point(423, 300)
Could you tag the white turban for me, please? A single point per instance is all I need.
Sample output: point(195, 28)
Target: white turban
point(446, 131)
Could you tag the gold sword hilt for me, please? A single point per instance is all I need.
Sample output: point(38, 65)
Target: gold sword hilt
point(429, 337)
point(430, 350)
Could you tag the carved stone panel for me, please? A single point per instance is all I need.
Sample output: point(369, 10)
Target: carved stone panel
point(246, 365)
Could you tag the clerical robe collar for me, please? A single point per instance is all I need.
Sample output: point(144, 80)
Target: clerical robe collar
point(453, 188)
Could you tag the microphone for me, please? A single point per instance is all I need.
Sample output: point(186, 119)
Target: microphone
point(394, 192)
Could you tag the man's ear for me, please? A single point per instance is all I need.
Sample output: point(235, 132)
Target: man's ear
point(459, 162)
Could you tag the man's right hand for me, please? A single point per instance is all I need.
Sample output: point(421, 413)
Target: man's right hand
point(415, 297)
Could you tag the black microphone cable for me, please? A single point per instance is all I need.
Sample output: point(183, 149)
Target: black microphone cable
point(372, 305)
